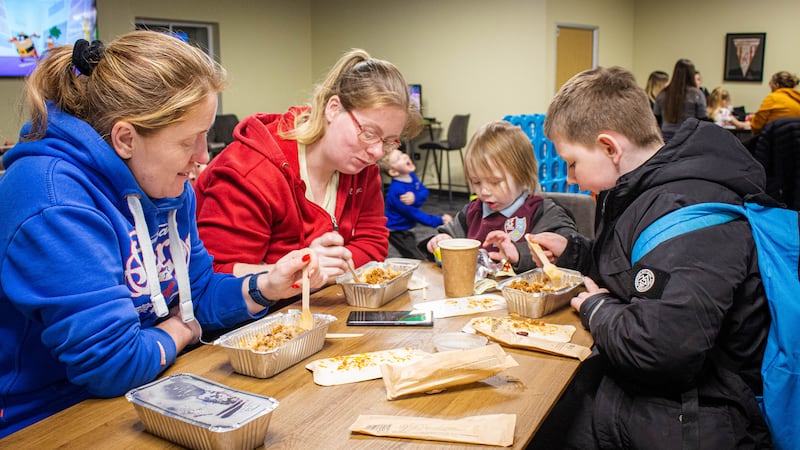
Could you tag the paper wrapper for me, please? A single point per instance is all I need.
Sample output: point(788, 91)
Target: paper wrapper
point(361, 366)
point(449, 307)
point(522, 326)
point(490, 429)
point(443, 370)
point(510, 338)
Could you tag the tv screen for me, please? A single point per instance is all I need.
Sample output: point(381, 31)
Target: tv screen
point(31, 28)
point(415, 92)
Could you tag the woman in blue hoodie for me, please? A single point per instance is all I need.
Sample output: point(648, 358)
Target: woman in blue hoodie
point(103, 280)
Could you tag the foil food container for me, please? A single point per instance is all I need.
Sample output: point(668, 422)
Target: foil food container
point(538, 304)
point(265, 364)
point(201, 414)
point(365, 295)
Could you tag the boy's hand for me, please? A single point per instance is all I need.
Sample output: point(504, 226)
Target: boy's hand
point(408, 198)
point(553, 244)
point(446, 218)
point(434, 242)
point(506, 249)
point(591, 289)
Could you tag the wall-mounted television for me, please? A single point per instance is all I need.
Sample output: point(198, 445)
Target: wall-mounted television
point(31, 28)
point(415, 93)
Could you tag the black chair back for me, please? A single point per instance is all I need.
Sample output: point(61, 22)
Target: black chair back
point(777, 148)
point(457, 131)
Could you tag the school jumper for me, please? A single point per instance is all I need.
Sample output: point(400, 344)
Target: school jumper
point(527, 214)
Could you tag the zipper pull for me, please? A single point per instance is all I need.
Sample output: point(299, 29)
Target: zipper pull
point(335, 225)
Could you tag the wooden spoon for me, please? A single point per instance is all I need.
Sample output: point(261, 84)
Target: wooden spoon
point(306, 318)
point(356, 278)
point(554, 273)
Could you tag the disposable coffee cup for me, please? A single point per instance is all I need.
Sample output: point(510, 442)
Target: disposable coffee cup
point(459, 264)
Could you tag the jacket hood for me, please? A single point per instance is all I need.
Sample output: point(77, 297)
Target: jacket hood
point(260, 132)
point(699, 151)
point(791, 93)
point(74, 141)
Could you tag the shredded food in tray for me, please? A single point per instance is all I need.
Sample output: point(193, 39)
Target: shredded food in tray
point(533, 286)
point(262, 342)
point(379, 275)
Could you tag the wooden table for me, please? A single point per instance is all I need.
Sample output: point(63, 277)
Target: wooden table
point(318, 417)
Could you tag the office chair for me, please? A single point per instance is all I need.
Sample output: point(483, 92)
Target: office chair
point(221, 133)
point(777, 148)
point(456, 140)
point(581, 206)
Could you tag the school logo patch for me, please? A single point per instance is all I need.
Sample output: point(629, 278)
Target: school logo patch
point(649, 282)
point(515, 227)
point(644, 280)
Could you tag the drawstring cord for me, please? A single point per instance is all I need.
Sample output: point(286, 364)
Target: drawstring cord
point(149, 262)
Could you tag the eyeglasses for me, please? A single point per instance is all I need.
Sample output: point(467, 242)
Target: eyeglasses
point(368, 137)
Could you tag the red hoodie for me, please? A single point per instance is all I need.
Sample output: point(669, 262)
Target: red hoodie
point(252, 208)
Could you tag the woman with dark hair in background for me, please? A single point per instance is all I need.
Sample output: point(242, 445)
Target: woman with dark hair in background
point(680, 100)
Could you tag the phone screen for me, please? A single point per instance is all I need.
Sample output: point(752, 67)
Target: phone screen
point(412, 318)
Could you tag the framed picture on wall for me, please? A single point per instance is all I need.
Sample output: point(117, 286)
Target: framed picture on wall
point(744, 56)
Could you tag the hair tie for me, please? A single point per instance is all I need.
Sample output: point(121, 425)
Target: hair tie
point(85, 56)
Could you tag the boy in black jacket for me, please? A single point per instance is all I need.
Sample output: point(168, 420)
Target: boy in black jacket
point(679, 335)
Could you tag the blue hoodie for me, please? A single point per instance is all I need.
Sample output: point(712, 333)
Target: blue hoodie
point(76, 317)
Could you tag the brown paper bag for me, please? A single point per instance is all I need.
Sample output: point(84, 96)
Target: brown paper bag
point(443, 370)
point(490, 429)
point(511, 339)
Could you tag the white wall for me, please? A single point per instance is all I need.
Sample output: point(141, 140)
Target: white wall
point(666, 31)
point(488, 58)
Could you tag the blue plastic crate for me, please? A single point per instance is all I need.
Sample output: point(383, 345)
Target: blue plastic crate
point(552, 169)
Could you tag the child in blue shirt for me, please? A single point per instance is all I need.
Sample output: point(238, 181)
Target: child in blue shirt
point(404, 198)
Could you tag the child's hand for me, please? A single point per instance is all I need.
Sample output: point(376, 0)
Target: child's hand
point(553, 244)
point(446, 218)
point(591, 289)
point(434, 242)
point(408, 198)
point(506, 249)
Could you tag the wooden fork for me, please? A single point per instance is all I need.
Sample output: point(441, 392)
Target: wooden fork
point(306, 318)
point(554, 273)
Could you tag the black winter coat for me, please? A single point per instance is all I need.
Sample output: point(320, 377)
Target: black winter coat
point(682, 333)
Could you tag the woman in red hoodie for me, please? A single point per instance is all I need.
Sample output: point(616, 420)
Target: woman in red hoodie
point(308, 178)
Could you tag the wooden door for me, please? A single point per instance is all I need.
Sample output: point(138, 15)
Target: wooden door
point(575, 51)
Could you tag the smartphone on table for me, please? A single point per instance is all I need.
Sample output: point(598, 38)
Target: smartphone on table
point(390, 318)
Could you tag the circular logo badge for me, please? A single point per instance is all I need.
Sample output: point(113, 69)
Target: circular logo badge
point(645, 279)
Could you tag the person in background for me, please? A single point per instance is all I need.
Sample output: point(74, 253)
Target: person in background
point(501, 170)
point(655, 83)
point(309, 177)
point(679, 100)
point(698, 81)
point(783, 101)
point(680, 335)
point(404, 198)
point(719, 110)
point(104, 278)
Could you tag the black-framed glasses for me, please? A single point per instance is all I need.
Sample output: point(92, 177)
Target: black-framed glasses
point(368, 137)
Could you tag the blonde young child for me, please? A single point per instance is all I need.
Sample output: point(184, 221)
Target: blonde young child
point(501, 169)
point(719, 110)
